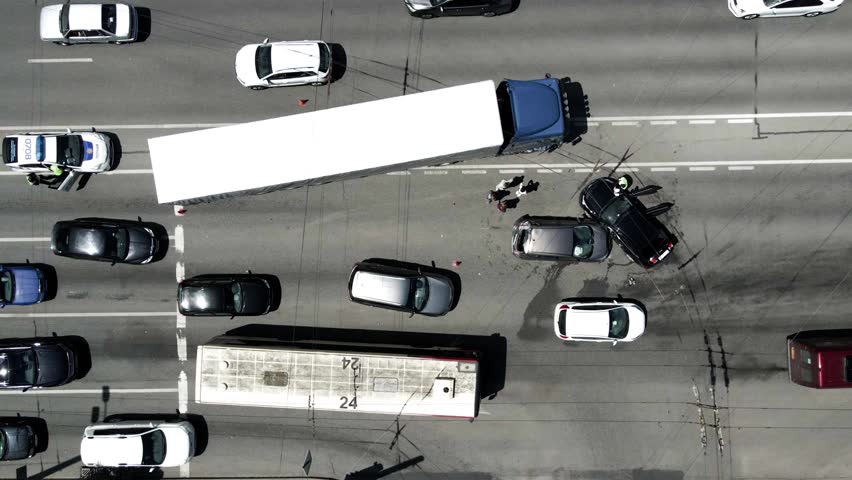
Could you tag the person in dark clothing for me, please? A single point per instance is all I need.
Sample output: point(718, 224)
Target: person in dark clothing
point(529, 187)
point(497, 195)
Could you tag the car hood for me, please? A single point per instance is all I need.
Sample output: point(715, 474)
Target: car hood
point(54, 366)
point(140, 248)
point(95, 152)
point(602, 243)
point(244, 65)
point(19, 442)
point(255, 297)
point(49, 22)
point(440, 296)
point(27, 285)
point(179, 447)
point(636, 326)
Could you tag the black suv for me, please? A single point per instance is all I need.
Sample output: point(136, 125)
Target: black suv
point(644, 239)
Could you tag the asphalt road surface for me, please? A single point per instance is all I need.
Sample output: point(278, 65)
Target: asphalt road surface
point(761, 210)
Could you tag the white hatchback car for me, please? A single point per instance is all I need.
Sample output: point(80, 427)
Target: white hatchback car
point(68, 23)
point(85, 152)
point(749, 9)
point(133, 443)
point(617, 320)
point(283, 64)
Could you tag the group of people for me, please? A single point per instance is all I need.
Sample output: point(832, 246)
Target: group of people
point(57, 175)
point(501, 191)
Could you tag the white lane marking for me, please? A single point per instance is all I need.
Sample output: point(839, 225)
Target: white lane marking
point(473, 172)
point(59, 60)
point(724, 116)
point(625, 124)
point(622, 168)
point(181, 345)
point(740, 120)
point(47, 239)
point(138, 126)
point(179, 238)
point(399, 173)
point(701, 169)
point(182, 392)
point(184, 470)
point(512, 170)
point(584, 170)
point(591, 121)
point(741, 167)
point(181, 321)
point(179, 271)
point(435, 172)
point(54, 391)
point(702, 122)
point(85, 314)
point(663, 122)
point(549, 170)
point(24, 239)
point(664, 169)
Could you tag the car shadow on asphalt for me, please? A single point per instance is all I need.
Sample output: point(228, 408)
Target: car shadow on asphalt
point(338, 61)
point(144, 15)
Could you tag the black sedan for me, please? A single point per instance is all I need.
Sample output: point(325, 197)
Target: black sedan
point(22, 437)
point(644, 239)
point(107, 240)
point(225, 294)
point(458, 8)
point(37, 362)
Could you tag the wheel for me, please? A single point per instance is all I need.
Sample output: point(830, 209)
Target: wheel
point(64, 44)
point(812, 14)
point(750, 16)
point(489, 14)
point(427, 16)
point(257, 88)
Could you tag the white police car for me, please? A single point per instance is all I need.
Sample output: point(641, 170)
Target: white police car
point(85, 152)
point(67, 24)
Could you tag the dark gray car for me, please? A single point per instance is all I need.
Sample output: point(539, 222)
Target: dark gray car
point(225, 294)
point(22, 437)
point(403, 286)
point(36, 362)
point(106, 240)
point(560, 238)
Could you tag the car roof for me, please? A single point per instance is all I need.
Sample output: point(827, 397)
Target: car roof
point(85, 16)
point(381, 287)
point(110, 450)
point(295, 56)
point(599, 193)
point(203, 295)
point(87, 240)
point(587, 323)
point(550, 239)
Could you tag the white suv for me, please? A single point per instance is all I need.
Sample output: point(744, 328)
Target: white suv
point(283, 64)
point(131, 443)
point(68, 24)
point(592, 320)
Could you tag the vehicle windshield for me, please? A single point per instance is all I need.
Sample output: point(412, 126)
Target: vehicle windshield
point(153, 448)
point(263, 61)
point(419, 293)
point(618, 323)
point(18, 368)
point(69, 150)
point(2, 445)
point(583, 241)
point(615, 209)
point(108, 18)
point(563, 314)
point(237, 293)
point(63, 19)
point(325, 58)
point(118, 247)
point(7, 287)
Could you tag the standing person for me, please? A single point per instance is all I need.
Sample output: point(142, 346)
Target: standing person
point(32, 179)
point(56, 170)
point(624, 182)
point(529, 187)
point(496, 195)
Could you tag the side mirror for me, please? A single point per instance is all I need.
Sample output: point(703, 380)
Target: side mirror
point(619, 296)
point(2, 304)
point(410, 314)
point(433, 263)
point(68, 130)
point(112, 264)
point(28, 260)
point(25, 389)
point(53, 334)
point(139, 218)
point(93, 129)
point(547, 75)
point(151, 470)
point(614, 342)
point(248, 271)
point(19, 414)
point(266, 40)
point(232, 317)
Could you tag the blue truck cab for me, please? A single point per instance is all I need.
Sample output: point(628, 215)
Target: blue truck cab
point(540, 115)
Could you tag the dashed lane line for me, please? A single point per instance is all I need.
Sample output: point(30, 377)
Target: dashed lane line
point(183, 392)
point(87, 391)
point(59, 60)
point(85, 314)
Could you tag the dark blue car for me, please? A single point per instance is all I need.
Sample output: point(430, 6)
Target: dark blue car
point(21, 285)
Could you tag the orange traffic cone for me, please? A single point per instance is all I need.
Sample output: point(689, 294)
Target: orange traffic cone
point(303, 102)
